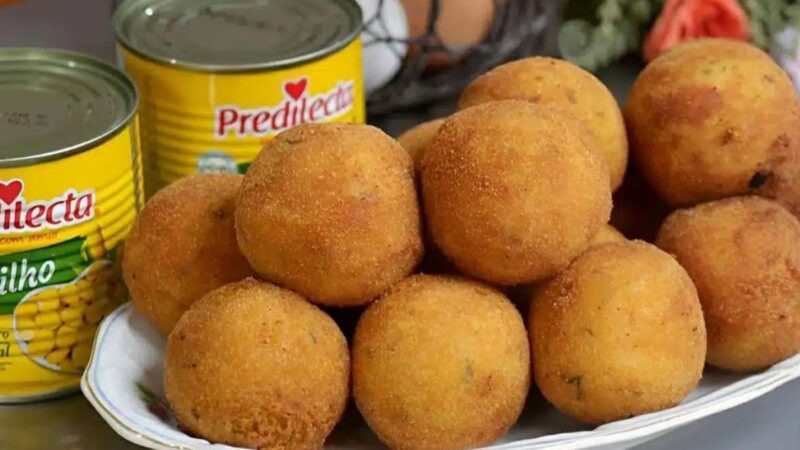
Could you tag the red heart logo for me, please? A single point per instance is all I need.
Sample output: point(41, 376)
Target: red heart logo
point(10, 191)
point(295, 89)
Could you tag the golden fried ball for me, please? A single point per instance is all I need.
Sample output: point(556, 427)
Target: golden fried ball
point(715, 118)
point(617, 334)
point(513, 191)
point(561, 84)
point(256, 366)
point(606, 234)
point(330, 211)
point(417, 139)
point(521, 294)
point(183, 245)
point(744, 257)
point(440, 362)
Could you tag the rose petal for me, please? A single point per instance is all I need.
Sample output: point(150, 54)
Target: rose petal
point(682, 20)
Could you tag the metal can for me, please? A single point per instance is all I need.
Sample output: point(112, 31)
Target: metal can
point(70, 187)
point(218, 78)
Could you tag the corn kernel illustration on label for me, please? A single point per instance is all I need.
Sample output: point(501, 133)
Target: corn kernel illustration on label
point(70, 188)
point(54, 324)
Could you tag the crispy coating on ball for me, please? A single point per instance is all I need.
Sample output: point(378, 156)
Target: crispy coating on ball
point(712, 119)
point(782, 184)
point(255, 365)
point(183, 245)
point(606, 234)
point(617, 334)
point(561, 84)
point(330, 211)
point(522, 294)
point(513, 191)
point(744, 257)
point(417, 139)
point(440, 362)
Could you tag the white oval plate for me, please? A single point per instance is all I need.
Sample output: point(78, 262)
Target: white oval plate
point(123, 383)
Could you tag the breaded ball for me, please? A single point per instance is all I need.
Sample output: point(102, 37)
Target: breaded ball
point(330, 211)
point(522, 294)
point(256, 366)
point(560, 84)
point(513, 191)
point(744, 257)
point(617, 334)
point(715, 118)
point(417, 139)
point(606, 234)
point(440, 363)
point(183, 245)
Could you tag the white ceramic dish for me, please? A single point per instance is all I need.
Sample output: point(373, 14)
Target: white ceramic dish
point(123, 383)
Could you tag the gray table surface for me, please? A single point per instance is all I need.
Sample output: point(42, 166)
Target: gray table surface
point(770, 422)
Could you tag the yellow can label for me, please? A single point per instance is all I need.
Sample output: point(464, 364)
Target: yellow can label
point(61, 226)
point(217, 122)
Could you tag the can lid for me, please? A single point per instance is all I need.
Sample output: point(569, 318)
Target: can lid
point(56, 103)
point(236, 35)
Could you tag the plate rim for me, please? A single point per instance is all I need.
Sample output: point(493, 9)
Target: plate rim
point(618, 432)
point(125, 430)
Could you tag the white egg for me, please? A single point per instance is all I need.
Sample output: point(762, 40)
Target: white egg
point(383, 20)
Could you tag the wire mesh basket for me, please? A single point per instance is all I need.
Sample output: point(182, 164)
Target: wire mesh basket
point(519, 28)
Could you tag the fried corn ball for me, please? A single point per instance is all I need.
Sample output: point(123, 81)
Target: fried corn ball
point(330, 211)
point(440, 363)
point(560, 84)
point(617, 334)
point(56, 325)
point(417, 139)
point(714, 118)
point(256, 366)
point(744, 257)
point(513, 191)
point(521, 294)
point(183, 245)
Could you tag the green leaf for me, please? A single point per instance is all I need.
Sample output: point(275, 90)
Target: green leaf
point(616, 31)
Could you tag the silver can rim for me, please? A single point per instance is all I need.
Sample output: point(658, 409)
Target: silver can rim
point(123, 41)
point(113, 131)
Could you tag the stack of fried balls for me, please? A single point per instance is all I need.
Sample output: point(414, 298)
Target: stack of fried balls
point(505, 205)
